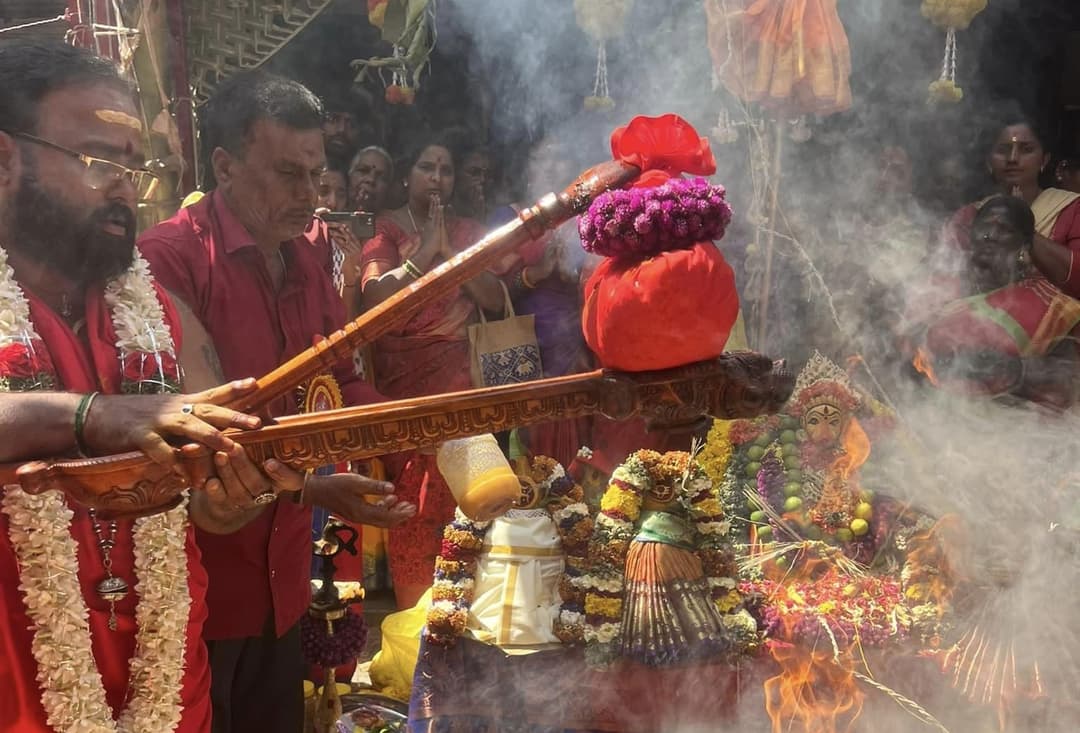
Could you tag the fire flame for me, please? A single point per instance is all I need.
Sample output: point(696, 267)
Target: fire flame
point(814, 693)
point(932, 570)
point(856, 446)
point(922, 364)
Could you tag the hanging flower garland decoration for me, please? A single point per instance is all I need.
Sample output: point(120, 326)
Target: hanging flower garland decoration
point(455, 573)
point(715, 455)
point(614, 529)
point(73, 695)
point(602, 20)
point(700, 498)
point(574, 523)
point(410, 28)
point(952, 15)
point(454, 587)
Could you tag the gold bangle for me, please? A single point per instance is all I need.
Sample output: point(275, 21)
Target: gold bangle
point(525, 280)
point(412, 269)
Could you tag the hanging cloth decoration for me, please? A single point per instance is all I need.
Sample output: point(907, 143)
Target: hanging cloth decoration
point(790, 56)
point(409, 26)
point(952, 15)
point(601, 20)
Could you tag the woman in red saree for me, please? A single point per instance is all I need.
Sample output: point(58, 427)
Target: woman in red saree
point(1017, 333)
point(430, 353)
point(1016, 160)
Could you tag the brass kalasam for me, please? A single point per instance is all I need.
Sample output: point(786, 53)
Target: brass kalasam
point(736, 385)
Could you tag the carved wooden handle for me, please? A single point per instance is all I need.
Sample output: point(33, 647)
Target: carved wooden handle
point(734, 385)
point(547, 214)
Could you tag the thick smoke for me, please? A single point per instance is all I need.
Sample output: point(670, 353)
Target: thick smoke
point(849, 243)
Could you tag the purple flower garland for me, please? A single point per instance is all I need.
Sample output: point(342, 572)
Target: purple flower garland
point(643, 222)
point(340, 648)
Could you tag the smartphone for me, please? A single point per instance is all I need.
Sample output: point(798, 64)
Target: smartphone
point(362, 223)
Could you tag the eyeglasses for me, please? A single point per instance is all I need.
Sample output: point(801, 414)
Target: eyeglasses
point(101, 173)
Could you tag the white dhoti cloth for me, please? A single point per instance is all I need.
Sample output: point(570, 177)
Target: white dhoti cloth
point(516, 597)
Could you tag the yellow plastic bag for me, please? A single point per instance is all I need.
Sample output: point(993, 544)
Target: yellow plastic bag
point(393, 666)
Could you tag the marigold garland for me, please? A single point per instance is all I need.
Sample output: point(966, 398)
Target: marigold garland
point(455, 570)
point(716, 454)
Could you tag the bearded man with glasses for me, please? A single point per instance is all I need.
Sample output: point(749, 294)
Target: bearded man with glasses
point(100, 620)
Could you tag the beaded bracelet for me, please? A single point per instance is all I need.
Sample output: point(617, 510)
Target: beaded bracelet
point(412, 269)
point(81, 411)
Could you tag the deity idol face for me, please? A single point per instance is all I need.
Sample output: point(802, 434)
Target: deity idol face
point(824, 423)
point(530, 495)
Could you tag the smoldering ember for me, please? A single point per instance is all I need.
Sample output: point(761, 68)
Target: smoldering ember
point(503, 366)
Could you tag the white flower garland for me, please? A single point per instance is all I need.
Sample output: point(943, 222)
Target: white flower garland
point(137, 314)
point(73, 694)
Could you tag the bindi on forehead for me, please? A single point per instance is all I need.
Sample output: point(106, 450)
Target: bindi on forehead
point(435, 155)
point(1017, 134)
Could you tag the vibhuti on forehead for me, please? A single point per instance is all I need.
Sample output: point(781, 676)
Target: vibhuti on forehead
point(116, 117)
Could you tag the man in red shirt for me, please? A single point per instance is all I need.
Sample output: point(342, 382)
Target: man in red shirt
point(246, 261)
point(78, 312)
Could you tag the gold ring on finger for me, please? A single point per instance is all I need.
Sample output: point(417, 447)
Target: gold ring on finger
point(265, 498)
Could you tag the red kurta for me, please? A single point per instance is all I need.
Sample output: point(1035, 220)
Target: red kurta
point(84, 367)
point(205, 256)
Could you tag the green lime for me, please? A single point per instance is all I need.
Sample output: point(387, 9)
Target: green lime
point(758, 516)
point(762, 440)
point(792, 504)
point(790, 449)
point(844, 534)
point(789, 423)
point(755, 453)
point(764, 533)
point(791, 462)
point(866, 495)
point(812, 532)
point(752, 469)
point(793, 474)
point(864, 510)
point(859, 527)
point(783, 562)
point(792, 488)
point(787, 437)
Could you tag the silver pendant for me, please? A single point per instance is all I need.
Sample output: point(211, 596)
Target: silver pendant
point(112, 589)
